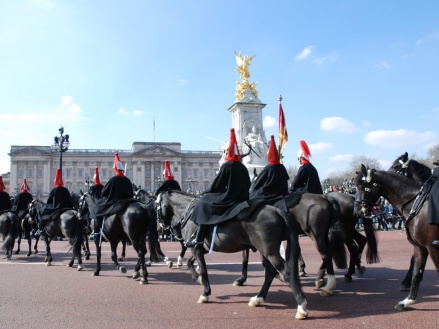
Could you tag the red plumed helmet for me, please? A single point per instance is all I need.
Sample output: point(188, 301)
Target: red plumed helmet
point(273, 154)
point(96, 179)
point(167, 171)
point(118, 167)
point(304, 151)
point(2, 186)
point(58, 179)
point(25, 187)
point(233, 151)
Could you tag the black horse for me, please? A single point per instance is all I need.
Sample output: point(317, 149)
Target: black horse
point(419, 172)
point(25, 228)
point(132, 223)
point(65, 223)
point(157, 254)
point(263, 229)
point(9, 223)
point(355, 242)
point(407, 196)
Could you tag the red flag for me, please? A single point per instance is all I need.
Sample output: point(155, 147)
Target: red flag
point(283, 134)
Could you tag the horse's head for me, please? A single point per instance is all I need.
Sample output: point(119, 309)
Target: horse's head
point(84, 205)
point(410, 168)
point(33, 208)
point(368, 191)
point(164, 208)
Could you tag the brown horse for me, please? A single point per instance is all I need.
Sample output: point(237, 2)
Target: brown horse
point(408, 197)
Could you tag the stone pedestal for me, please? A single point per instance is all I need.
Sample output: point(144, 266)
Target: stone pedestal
point(248, 124)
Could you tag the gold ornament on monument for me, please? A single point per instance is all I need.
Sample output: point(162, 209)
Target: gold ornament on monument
point(243, 70)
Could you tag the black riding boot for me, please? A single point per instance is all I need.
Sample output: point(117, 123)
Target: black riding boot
point(199, 238)
point(97, 225)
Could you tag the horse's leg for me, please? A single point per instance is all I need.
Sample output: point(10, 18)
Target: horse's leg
point(181, 256)
point(407, 282)
point(420, 259)
point(86, 247)
point(77, 243)
point(361, 241)
point(302, 266)
point(36, 245)
point(270, 273)
point(326, 267)
point(124, 246)
point(353, 256)
point(48, 260)
point(140, 247)
point(18, 243)
point(202, 277)
point(113, 245)
point(98, 258)
point(240, 281)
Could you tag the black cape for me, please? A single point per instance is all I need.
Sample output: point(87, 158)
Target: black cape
point(118, 188)
point(59, 198)
point(171, 184)
point(21, 203)
point(433, 201)
point(5, 201)
point(271, 185)
point(96, 193)
point(307, 180)
point(226, 197)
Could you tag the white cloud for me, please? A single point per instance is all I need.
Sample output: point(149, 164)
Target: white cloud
point(430, 37)
point(137, 112)
point(320, 147)
point(341, 158)
point(325, 59)
point(122, 111)
point(304, 53)
point(132, 112)
point(399, 138)
point(382, 65)
point(269, 121)
point(337, 124)
point(67, 101)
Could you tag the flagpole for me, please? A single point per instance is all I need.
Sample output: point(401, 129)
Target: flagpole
point(153, 130)
point(278, 143)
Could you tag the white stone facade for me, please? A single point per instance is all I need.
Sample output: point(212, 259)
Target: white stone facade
point(194, 170)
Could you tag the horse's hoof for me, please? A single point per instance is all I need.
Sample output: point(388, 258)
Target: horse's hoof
point(143, 281)
point(136, 275)
point(319, 283)
point(48, 263)
point(148, 263)
point(301, 316)
point(120, 259)
point(80, 267)
point(95, 274)
point(203, 299)
point(28, 255)
point(170, 264)
point(87, 258)
point(179, 266)
point(256, 301)
point(325, 293)
point(347, 279)
point(238, 283)
point(400, 307)
point(17, 252)
point(302, 274)
point(122, 269)
point(361, 270)
point(36, 252)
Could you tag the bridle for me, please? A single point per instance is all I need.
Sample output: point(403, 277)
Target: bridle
point(404, 166)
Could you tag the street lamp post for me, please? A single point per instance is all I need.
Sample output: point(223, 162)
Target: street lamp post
point(61, 144)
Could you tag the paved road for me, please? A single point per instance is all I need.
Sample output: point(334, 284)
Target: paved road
point(35, 296)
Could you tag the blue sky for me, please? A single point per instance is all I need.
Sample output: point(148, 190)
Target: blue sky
point(356, 77)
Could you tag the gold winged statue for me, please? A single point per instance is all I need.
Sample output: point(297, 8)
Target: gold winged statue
point(243, 64)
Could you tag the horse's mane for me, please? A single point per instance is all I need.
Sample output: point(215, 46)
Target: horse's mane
point(411, 168)
point(181, 193)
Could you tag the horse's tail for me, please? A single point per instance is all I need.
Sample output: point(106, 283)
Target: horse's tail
point(336, 237)
point(372, 255)
point(292, 255)
point(11, 227)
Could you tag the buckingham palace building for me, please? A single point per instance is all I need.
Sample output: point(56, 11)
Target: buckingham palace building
point(144, 164)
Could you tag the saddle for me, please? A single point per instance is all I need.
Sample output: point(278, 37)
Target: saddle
point(117, 207)
point(293, 199)
point(253, 205)
point(55, 214)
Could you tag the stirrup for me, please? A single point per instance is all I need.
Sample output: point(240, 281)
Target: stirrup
point(192, 243)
